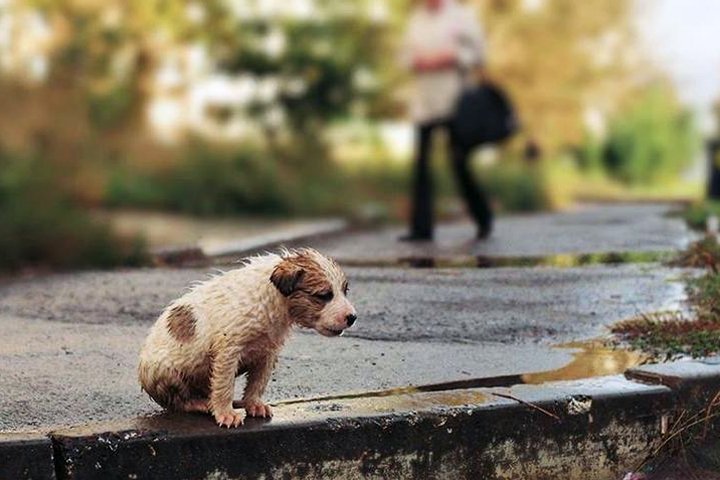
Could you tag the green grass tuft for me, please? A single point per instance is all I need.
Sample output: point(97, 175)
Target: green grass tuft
point(669, 334)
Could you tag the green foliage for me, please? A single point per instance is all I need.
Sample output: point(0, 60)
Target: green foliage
point(108, 109)
point(670, 334)
point(41, 228)
point(663, 344)
point(704, 292)
point(696, 215)
point(652, 141)
point(590, 156)
point(213, 181)
point(208, 182)
point(516, 187)
point(334, 60)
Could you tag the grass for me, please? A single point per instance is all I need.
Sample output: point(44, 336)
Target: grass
point(666, 335)
point(672, 334)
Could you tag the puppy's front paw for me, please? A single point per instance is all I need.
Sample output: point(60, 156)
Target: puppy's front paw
point(229, 418)
point(256, 408)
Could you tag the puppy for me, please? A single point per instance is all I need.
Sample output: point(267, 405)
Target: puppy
point(236, 323)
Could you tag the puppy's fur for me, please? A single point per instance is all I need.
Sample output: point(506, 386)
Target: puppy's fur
point(236, 323)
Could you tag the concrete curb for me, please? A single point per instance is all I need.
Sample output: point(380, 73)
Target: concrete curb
point(195, 256)
point(271, 240)
point(26, 456)
point(593, 429)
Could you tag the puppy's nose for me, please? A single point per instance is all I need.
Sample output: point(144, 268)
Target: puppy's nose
point(350, 319)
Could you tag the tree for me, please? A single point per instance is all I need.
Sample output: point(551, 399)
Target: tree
point(559, 58)
point(312, 61)
point(653, 140)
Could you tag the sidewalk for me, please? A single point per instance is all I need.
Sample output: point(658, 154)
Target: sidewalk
point(416, 326)
point(70, 343)
point(587, 229)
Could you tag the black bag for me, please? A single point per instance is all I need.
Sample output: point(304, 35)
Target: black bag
point(483, 115)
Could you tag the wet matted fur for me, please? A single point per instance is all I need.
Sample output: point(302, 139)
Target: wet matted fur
point(236, 323)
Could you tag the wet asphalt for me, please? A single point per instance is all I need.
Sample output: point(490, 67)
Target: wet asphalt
point(69, 346)
point(585, 229)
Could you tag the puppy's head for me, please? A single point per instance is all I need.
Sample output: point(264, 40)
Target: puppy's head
point(316, 290)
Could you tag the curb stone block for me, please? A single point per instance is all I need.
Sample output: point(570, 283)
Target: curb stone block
point(605, 431)
point(694, 381)
point(593, 429)
point(26, 457)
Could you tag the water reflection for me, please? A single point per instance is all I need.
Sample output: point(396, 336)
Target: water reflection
point(594, 359)
point(565, 260)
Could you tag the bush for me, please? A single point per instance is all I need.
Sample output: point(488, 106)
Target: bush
point(516, 187)
point(219, 181)
point(653, 141)
point(40, 227)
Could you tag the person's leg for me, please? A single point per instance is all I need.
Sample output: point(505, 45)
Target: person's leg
point(475, 198)
point(421, 219)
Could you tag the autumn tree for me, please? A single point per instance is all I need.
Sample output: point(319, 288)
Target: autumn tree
point(562, 60)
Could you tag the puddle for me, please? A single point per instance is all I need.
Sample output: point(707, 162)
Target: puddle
point(565, 260)
point(594, 359)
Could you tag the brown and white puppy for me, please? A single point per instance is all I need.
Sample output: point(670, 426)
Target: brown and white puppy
point(236, 323)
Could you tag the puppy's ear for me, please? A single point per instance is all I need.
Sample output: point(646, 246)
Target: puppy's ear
point(286, 276)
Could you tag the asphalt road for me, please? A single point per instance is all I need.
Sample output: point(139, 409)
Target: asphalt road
point(69, 346)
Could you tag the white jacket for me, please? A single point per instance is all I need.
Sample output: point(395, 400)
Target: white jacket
point(454, 28)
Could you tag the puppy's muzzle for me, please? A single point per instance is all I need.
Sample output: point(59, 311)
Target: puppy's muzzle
point(350, 319)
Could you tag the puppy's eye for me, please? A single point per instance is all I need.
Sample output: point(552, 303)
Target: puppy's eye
point(346, 289)
point(324, 296)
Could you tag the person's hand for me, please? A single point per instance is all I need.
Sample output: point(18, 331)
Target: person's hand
point(421, 64)
point(439, 61)
point(445, 60)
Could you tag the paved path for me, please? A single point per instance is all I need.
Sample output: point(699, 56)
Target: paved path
point(70, 341)
point(587, 229)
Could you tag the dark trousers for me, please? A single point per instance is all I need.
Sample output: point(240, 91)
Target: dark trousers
point(421, 225)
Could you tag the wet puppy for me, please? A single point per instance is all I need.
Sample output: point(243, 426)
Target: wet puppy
point(236, 323)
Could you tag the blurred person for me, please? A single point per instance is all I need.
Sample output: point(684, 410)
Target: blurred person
point(443, 47)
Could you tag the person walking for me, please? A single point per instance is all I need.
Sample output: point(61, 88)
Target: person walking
point(443, 46)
